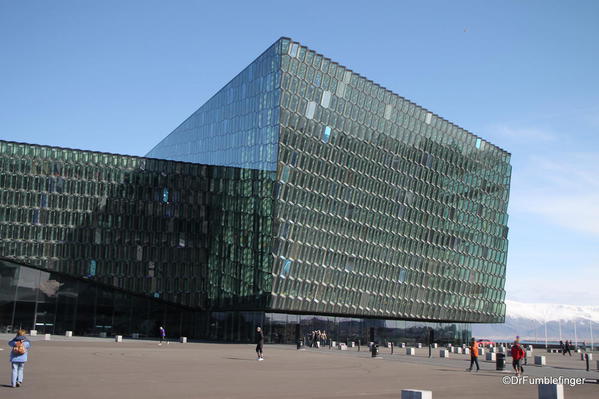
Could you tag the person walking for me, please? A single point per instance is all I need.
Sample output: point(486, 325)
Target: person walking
point(562, 348)
point(473, 355)
point(517, 355)
point(18, 357)
point(567, 347)
point(259, 343)
point(162, 332)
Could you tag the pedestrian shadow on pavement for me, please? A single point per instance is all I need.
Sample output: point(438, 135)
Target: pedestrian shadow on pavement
point(240, 358)
point(6, 386)
point(481, 372)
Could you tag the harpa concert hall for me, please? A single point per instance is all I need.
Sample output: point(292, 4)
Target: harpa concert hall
point(302, 196)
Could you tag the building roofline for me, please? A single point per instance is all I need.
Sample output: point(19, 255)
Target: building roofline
point(99, 152)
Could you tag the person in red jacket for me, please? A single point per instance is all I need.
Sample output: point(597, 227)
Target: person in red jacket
point(517, 355)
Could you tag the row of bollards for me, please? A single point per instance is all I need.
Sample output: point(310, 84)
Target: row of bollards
point(544, 391)
point(495, 354)
point(69, 334)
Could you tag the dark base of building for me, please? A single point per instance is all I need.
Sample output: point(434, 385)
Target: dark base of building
point(50, 302)
point(283, 328)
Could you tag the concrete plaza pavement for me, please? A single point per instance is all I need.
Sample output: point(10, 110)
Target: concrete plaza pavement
point(101, 368)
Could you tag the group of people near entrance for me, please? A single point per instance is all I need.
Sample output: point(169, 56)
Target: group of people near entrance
point(517, 351)
point(317, 338)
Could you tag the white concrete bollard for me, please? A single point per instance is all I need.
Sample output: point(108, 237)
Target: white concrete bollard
point(481, 351)
point(342, 346)
point(528, 353)
point(435, 346)
point(494, 349)
point(352, 344)
point(389, 345)
point(33, 333)
point(68, 334)
point(539, 360)
point(419, 345)
point(334, 344)
point(578, 350)
point(403, 345)
point(416, 394)
point(183, 340)
point(444, 353)
point(491, 356)
point(530, 348)
point(466, 351)
point(551, 391)
point(47, 337)
point(459, 350)
point(410, 351)
point(118, 338)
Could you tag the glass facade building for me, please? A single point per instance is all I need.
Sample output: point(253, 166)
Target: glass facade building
point(301, 194)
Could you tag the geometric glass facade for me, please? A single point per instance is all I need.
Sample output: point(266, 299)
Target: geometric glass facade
point(238, 126)
point(301, 194)
point(132, 223)
point(384, 209)
point(189, 234)
point(381, 208)
point(53, 302)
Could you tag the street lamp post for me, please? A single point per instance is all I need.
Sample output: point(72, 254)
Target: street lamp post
point(591, 330)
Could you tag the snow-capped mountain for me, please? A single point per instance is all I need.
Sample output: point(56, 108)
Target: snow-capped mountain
point(529, 320)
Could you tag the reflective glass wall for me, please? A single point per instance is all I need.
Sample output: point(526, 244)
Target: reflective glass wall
point(281, 328)
point(133, 223)
point(190, 234)
point(53, 302)
point(383, 208)
point(238, 126)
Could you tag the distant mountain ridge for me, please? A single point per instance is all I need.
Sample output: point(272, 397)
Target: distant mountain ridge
point(528, 320)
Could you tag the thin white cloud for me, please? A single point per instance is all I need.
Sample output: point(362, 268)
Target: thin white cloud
point(563, 189)
point(557, 288)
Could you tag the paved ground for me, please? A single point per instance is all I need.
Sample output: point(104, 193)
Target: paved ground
point(99, 368)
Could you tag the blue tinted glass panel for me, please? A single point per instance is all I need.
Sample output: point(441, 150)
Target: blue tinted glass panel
point(238, 126)
point(326, 134)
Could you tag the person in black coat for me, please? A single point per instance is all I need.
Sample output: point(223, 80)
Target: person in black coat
point(259, 343)
point(567, 347)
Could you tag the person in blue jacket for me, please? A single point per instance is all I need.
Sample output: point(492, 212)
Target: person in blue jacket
point(19, 348)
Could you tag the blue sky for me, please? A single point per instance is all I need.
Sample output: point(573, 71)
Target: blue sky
point(118, 76)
